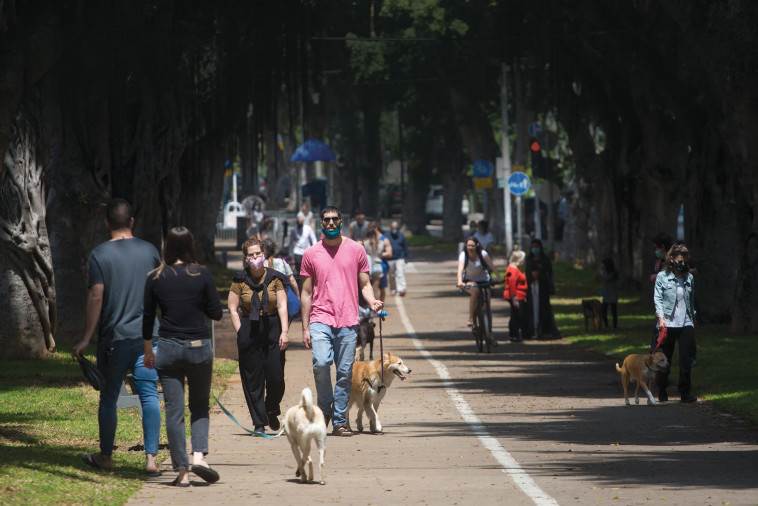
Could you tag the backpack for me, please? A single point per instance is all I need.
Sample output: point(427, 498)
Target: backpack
point(481, 261)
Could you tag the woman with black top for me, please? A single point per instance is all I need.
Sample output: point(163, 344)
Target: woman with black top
point(258, 309)
point(186, 294)
point(540, 286)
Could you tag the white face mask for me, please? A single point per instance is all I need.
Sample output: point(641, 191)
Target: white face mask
point(255, 263)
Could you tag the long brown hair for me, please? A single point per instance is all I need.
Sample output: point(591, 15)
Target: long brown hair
point(372, 234)
point(179, 245)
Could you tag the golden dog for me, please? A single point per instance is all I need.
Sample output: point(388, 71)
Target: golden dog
point(302, 424)
point(642, 369)
point(367, 389)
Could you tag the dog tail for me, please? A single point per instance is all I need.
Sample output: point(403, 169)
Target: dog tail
point(306, 401)
point(618, 368)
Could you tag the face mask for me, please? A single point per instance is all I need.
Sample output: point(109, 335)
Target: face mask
point(331, 234)
point(681, 267)
point(255, 263)
point(394, 233)
point(658, 254)
point(535, 251)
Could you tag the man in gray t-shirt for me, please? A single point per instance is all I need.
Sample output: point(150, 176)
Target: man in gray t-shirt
point(117, 272)
point(359, 227)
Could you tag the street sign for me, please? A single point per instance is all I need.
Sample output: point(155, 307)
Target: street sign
point(482, 182)
point(518, 183)
point(518, 168)
point(482, 168)
point(227, 163)
point(534, 129)
point(502, 183)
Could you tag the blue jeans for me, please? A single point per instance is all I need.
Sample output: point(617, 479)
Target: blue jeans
point(176, 360)
point(333, 345)
point(114, 361)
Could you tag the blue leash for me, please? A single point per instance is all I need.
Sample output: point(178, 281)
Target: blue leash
point(381, 315)
point(254, 433)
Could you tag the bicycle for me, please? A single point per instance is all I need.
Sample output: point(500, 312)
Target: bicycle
point(482, 322)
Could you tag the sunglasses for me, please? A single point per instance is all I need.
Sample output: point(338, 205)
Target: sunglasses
point(335, 219)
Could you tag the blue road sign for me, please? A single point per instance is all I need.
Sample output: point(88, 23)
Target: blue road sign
point(227, 163)
point(518, 183)
point(534, 129)
point(482, 168)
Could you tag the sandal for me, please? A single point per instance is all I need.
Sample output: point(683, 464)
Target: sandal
point(91, 460)
point(206, 473)
point(177, 483)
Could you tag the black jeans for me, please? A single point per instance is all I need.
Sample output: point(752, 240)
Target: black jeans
point(614, 309)
point(687, 350)
point(261, 366)
point(518, 322)
point(176, 360)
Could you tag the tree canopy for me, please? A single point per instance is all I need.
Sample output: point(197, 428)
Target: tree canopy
point(652, 104)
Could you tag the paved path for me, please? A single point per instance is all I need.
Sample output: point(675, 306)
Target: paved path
point(535, 423)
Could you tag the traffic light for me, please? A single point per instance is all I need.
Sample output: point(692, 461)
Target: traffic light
point(538, 169)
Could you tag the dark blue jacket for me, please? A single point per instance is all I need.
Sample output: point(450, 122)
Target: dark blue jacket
point(399, 246)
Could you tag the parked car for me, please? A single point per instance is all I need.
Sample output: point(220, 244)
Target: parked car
point(390, 200)
point(434, 204)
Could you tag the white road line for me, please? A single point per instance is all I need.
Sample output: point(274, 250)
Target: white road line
point(520, 477)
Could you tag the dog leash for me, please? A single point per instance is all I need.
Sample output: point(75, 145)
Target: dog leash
point(381, 315)
point(661, 338)
point(254, 433)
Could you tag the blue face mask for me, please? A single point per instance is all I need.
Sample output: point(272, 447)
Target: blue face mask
point(331, 234)
point(658, 254)
point(535, 251)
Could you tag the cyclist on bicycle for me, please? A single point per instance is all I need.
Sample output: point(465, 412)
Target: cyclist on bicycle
point(474, 265)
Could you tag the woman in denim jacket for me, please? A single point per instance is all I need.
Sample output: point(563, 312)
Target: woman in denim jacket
point(675, 309)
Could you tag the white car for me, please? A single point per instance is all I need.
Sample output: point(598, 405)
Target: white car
point(434, 204)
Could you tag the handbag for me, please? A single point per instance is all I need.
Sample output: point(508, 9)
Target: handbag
point(293, 302)
point(92, 373)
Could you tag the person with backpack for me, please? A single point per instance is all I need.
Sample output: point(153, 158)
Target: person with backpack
point(258, 309)
point(474, 265)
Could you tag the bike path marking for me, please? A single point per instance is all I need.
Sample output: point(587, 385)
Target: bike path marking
point(520, 477)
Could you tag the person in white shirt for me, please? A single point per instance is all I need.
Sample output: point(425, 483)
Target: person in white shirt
point(301, 238)
point(483, 235)
point(307, 214)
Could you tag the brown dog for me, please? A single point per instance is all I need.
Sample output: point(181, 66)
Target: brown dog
point(591, 309)
point(642, 369)
point(367, 389)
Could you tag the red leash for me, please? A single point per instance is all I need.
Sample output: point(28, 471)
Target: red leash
point(661, 338)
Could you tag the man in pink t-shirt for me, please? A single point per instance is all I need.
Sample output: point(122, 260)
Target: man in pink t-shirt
point(332, 271)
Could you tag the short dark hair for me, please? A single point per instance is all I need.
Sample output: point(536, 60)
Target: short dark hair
point(485, 225)
point(269, 247)
point(118, 212)
point(358, 211)
point(331, 209)
point(662, 240)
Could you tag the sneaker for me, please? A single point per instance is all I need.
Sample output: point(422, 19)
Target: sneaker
point(688, 398)
point(393, 292)
point(663, 396)
point(273, 422)
point(260, 428)
point(341, 430)
point(402, 294)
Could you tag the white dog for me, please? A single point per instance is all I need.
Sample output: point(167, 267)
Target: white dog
point(303, 423)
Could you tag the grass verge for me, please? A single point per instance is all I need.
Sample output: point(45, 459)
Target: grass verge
point(49, 420)
point(724, 374)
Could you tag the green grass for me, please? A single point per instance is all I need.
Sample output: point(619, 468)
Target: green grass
point(49, 419)
point(724, 374)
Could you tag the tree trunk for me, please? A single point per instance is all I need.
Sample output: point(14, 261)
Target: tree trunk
point(27, 285)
